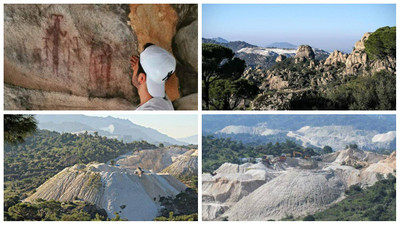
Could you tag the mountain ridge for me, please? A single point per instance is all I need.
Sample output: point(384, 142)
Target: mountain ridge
point(123, 129)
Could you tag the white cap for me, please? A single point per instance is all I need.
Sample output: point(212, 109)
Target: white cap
point(159, 65)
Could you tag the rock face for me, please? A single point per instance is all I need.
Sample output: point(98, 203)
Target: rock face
point(297, 187)
point(173, 27)
point(184, 165)
point(134, 197)
point(155, 159)
point(57, 52)
point(77, 56)
point(230, 183)
point(156, 23)
point(280, 58)
point(305, 51)
point(336, 57)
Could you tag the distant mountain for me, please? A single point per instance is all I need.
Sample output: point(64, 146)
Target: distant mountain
point(191, 139)
point(369, 132)
point(380, 123)
point(234, 45)
point(220, 40)
point(282, 45)
point(261, 56)
point(122, 129)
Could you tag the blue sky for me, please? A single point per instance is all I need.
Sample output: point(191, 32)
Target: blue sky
point(326, 26)
point(176, 126)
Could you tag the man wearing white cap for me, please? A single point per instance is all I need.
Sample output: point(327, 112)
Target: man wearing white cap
point(150, 72)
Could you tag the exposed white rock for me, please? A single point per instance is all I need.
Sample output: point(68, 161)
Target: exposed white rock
point(259, 129)
point(339, 136)
point(296, 187)
point(152, 159)
point(386, 137)
point(268, 51)
point(184, 165)
point(114, 189)
point(294, 193)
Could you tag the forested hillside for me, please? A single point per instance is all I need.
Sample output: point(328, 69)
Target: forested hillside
point(217, 151)
point(375, 203)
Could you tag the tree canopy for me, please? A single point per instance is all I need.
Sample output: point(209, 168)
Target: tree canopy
point(381, 43)
point(18, 127)
point(223, 87)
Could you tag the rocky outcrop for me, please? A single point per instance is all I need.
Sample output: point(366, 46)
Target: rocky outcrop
point(280, 58)
point(291, 81)
point(66, 53)
point(305, 51)
point(153, 159)
point(357, 61)
point(277, 83)
point(134, 197)
point(184, 166)
point(229, 184)
point(336, 57)
point(359, 167)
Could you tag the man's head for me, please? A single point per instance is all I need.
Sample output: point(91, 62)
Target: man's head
point(155, 66)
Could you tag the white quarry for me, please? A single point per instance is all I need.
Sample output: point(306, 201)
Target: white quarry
point(133, 196)
point(288, 187)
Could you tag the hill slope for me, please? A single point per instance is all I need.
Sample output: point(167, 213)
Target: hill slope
point(134, 197)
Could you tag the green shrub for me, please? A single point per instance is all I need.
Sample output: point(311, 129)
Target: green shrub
point(381, 43)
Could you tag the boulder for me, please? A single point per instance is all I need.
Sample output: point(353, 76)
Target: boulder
point(360, 44)
point(305, 51)
point(280, 58)
point(336, 57)
point(188, 102)
point(186, 45)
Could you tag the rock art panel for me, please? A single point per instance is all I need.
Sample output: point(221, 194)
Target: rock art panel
point(80, 50)
point(66, 52)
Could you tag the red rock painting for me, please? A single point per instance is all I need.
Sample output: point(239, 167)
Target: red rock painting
point(100, 66)
point(55, 34)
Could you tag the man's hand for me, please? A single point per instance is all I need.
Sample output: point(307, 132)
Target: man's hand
point(134, 61)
